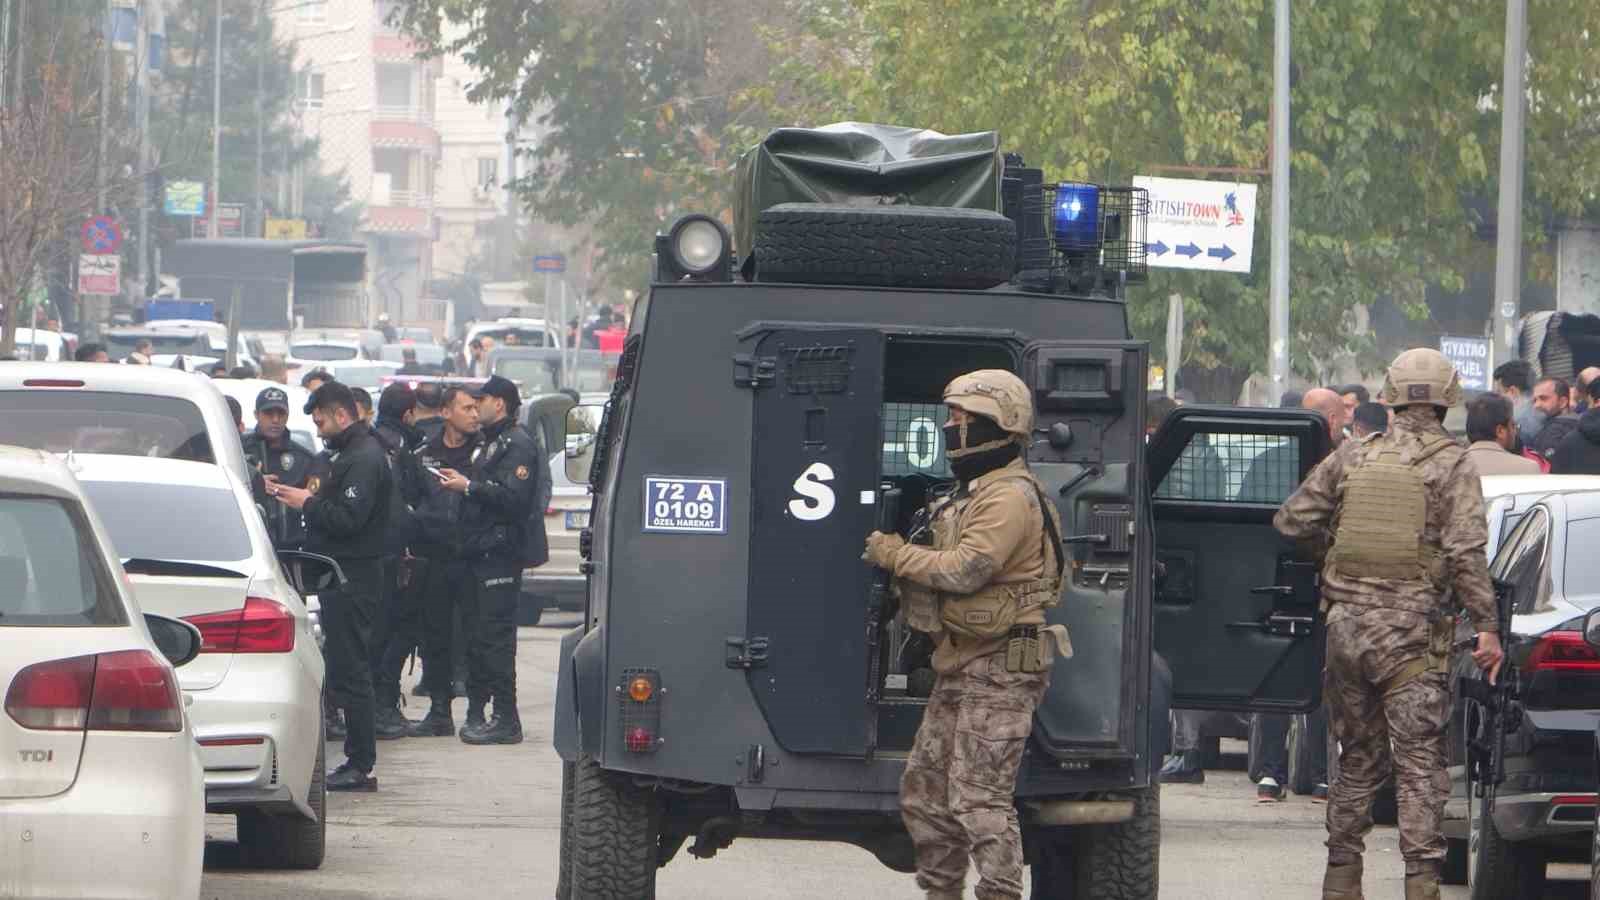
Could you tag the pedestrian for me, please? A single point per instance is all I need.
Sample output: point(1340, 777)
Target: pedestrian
point(345, 520)
point(363, 404)
point(398, 623)
point(1514, 381)
point(237, 410)
point(1552, 399)
point(498, 518)
point(1399, 523)
point(1579, 452)
point(274, 368)
point(409, 364)
point(996, 561)
point(270, 450)
point(315, 378)
point(91, 352)
point(428, 418)
point(145, 348)
point(1580, 403)
point(1353, 396)
point(136, 359)
point(1493, 435)
point(1272, 731)
point(449, 592)
point(1368, 419)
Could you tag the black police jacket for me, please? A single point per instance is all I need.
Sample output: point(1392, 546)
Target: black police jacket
point(346, 518)
point(499, 522)
point(438, 511)
point(294, 466)
point(398, 440)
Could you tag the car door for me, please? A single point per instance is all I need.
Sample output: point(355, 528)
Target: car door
point(1235, 604)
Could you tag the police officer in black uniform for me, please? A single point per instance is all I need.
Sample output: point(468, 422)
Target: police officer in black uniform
point(499, 492)
point(345, 519)
point(448, 594)
point(271, 451)
point(399, 618)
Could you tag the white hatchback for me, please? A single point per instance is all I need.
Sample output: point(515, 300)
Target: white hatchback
point(256, 687)
point(101, 788)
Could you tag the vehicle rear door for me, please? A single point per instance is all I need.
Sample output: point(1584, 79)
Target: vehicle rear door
point(1235, 605)
point(815, 466)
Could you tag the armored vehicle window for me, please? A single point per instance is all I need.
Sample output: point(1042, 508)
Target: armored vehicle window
point(913, 405)
point(1234, 468)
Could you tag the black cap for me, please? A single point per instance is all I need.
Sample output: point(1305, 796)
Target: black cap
point(272, 398)
point(503, 388)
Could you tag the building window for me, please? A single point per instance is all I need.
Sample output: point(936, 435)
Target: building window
point(488, 172)
point(308, 89)
point(312, 12)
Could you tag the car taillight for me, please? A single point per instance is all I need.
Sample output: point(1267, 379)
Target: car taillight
point(1563, 651)
point(640, 695)
point(52, 382)
point(129, 690)
point(262, 626)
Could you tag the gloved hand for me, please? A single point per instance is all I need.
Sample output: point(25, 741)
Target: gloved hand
point(881, 549)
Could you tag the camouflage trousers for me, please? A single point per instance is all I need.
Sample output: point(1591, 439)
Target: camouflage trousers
point(1382, 726)
point(956, 795)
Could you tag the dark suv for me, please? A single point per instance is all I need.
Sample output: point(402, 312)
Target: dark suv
point(738, 675)
point(1544, 810)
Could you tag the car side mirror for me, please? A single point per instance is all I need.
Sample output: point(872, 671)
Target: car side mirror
point(178, 641)
point(310, 573)
point(580, 439)
point(1591, 628)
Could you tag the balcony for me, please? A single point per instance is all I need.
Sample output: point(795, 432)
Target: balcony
point(418, 115)
point(414, 131)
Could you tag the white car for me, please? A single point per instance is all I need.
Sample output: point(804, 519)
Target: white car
point(363, 373)
point(124, 410)
point(302, 430)
point(101, 788)
point(256, 686)
point(42, 345)
point(216, 335)
point(560, 582)
point(314, 352)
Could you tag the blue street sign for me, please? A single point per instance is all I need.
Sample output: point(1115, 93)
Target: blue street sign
point(553, 264)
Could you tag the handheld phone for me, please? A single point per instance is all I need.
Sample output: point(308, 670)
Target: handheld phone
point(436, 473)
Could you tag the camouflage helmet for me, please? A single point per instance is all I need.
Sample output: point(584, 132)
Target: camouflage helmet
point(1422, 375)
point(997, 395)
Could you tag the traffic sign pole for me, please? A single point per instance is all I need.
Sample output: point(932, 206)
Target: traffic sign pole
point(1278, 300)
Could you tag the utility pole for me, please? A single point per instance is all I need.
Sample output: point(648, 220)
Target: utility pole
point(213, 227)
point(148, 13)
point(1508, 238)
point(261, 54)
point(1278, 315)
point(5, 47)
point(105, 111)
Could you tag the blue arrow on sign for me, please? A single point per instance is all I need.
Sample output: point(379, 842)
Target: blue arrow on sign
point(1223, 253)
point(1157, 248)
point(1189, 250)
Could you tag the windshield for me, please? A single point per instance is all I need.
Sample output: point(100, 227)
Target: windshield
point(533, 376)
point(209, 530)
point(120, 345)
point(323, 352)
point(51, 572)
point(104, 422)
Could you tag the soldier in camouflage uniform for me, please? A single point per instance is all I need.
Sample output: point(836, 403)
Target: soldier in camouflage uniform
point(1398, 519)
point(981, 589)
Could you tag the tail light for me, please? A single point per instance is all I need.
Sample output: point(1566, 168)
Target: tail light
point(129, 690)
point(1563, 651)
point(640, 695)
point(262, 626)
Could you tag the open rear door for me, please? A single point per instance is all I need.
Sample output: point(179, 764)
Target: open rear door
point(1235, 608)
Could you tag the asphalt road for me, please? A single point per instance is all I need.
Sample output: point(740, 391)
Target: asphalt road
point(484, 822)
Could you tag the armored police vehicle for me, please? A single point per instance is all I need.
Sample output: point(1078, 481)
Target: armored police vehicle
point(741, 672)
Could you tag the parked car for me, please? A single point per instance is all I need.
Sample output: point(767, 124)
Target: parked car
point(99, 771)
point(362, 373)
point(144, 411)
point(119, 342)
point(318, 351)
point(1545, 809)
point(1509, 497)
point(42, 345)
point(216, 336)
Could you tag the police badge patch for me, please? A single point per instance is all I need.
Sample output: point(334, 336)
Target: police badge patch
point(522, 473)
point(313, 484)
point(286, 461)
point(351, 493)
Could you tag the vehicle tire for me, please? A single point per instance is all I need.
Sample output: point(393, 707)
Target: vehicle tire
point(885, 246)
point(564, 871)
point(1122, 861)
point(288, 841)
point(1210, 752)
point(614, 835)
point(1386, 804)
point(1496, 867)
point(1302, 758)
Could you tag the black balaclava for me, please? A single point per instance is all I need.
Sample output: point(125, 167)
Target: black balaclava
point(978, 448)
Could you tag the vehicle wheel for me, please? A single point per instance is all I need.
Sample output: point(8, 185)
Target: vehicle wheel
point(1386, 804)
point(1302, 757)
point(1496, 867)
point(288, 841)
point(564, 876)
point(1122, 862)
point(614, 835)
point(886, 246)
point(1210, 752)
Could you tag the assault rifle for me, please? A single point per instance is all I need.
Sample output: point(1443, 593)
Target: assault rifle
point(1500, 713)
point(877, 603)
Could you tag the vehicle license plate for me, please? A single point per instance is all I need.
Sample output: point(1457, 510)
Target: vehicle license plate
point(577, 519)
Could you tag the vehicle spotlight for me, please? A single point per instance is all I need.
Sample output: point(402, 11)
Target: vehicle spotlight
point(1077, 216)
point(697, 248)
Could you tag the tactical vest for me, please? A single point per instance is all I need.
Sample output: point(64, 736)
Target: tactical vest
point(992, 611)
point(1384, 514)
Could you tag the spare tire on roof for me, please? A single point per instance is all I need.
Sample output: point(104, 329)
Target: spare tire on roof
point(885, 246)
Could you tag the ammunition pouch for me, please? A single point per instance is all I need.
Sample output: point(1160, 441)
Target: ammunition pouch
point(1034, 648)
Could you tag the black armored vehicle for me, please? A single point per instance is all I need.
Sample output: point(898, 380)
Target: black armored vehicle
point(740, 671)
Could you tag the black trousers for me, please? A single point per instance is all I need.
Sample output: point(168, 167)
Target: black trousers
point(401, 627)
point(347, 623)
point(492, 659)
point(448, 596)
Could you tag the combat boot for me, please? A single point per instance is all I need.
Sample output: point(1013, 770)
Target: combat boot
point(1422, 880)
point(437, 723)
point(475, 721)
point(390, 724)
point(1342, 881)
point(502, 729)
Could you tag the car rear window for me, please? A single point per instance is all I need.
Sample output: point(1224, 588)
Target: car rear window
point(118, 346)
point(51, 572)
point(207, 529)
point(323, 352)
point(58, 420)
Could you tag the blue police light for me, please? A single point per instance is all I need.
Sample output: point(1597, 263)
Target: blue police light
point(1077, 216)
